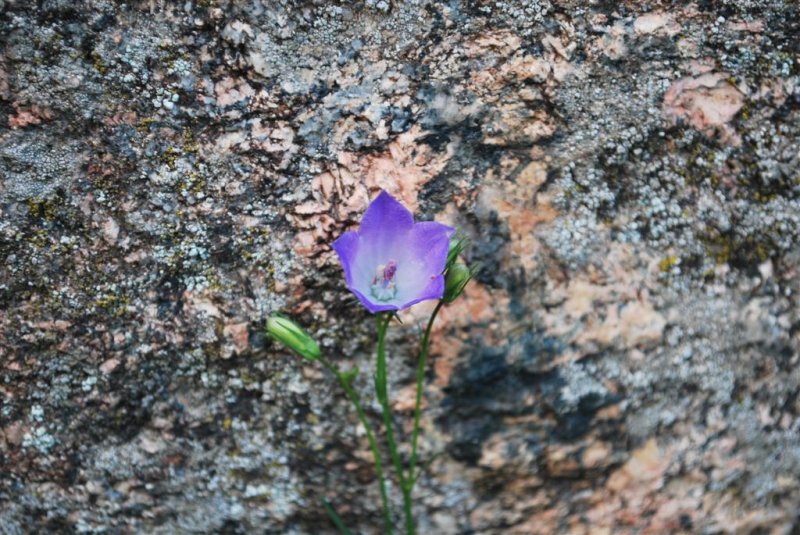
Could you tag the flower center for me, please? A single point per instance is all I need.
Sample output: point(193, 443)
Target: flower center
point(383, 287)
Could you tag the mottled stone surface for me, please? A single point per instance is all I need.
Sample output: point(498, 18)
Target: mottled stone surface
point(173, 172)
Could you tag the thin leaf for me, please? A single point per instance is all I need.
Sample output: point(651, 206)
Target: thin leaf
point(335, 518)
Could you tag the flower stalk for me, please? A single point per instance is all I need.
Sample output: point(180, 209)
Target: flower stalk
point(292, 336)
point(381, 392)
point(421, 367)
point(345, 379)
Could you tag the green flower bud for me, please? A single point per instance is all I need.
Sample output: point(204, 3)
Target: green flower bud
point(457, 277)
point(289, 334)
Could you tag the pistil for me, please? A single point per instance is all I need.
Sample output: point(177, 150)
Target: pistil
point(383, 286)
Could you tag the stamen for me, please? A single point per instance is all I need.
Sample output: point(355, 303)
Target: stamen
point(383, 287)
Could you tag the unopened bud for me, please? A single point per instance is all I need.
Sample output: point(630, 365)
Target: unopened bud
point(455, 280)
point(292, 336)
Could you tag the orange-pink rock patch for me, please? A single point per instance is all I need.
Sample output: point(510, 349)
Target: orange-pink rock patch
point(707, 102)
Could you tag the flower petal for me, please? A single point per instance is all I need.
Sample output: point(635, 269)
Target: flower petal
point(373, 307)
point(430, 241)
point(384, 223)
point(433, 290)
point(346, 246)
point(422, 259)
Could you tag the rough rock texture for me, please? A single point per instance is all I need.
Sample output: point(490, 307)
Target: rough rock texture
point(173, 172)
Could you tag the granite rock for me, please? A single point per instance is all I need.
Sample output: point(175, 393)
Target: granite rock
point(171, 173)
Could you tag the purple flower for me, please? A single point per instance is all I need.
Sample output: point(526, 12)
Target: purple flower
point(391, 263)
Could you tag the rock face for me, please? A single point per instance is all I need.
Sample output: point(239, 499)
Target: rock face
point(173, 172)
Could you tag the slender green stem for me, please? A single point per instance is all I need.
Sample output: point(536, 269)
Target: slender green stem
point(408, 512)
point(421, 365)
point(335, 518)
point(381, 391)
point(373, 443)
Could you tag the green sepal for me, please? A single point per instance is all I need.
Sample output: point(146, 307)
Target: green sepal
point(458, 243)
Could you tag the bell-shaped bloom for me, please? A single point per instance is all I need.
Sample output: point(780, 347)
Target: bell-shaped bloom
point(391, 262)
